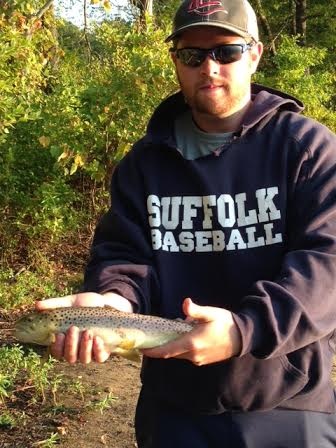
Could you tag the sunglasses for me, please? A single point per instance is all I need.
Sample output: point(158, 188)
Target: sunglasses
point(224, 54)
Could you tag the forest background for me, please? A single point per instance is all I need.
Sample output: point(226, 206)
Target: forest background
point(74, 99)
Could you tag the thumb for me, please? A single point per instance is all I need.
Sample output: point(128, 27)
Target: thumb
point(55, 302)
point(198, 312)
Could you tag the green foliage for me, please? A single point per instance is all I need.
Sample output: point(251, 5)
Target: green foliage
point(24, 288)
point(104, 403)
point(5, 384)
point(27, 62)
point(50, 442)
point(47, 208)
point(34, 382)
point(22, 370)
point(26, 51)
point(320, 21)
point(80, 128)
point(14, 362)
point(38, 373)
point(122, 86)
point(303, 72)
point(11, 361)
point(7, 421)
point(164, 11)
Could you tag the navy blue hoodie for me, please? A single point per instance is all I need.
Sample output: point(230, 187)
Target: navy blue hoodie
point(250, 228)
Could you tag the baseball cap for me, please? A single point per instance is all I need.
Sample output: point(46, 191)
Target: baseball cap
point(237, 16)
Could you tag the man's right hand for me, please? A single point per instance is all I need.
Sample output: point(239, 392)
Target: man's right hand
point(76, 346)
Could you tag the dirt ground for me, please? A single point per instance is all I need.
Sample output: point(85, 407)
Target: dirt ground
point(83, 427)
point(92, 420)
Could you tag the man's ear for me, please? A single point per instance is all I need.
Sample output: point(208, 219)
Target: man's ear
point(173, 56)
point(256, 53)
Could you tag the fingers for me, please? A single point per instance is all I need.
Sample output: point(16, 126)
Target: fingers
point(198, 312)
point(214, 338)
point(99, 352)
point(57, 348)
point(187, 352)
point(80, 299)
point(71, 345)
point(88, 299)
point(118, 302)
point(57, 302)
point(85, 348)
point(75, 346)
point(178, 348)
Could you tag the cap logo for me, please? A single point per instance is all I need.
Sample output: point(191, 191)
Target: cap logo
point(205, 7)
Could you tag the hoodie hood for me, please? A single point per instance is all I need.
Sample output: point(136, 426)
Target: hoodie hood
point(265, 102)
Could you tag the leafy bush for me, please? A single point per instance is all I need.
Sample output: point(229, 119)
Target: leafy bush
point(101, 118)
point(27, 48)
point(304, 72)
point(23, 288)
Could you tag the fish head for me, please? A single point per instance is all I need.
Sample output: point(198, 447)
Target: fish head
point(34, 328)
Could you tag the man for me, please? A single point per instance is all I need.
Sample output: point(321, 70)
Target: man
point(225, 212)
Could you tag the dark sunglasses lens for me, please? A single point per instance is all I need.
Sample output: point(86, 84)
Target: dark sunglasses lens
point(193, 57)
point(228, 53)
point(225, 54)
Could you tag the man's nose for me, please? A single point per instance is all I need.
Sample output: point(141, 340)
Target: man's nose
point(210, 66)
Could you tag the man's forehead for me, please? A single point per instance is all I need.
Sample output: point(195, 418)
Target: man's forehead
point(207, 32)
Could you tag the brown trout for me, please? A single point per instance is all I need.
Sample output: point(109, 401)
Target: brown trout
point(123, 333)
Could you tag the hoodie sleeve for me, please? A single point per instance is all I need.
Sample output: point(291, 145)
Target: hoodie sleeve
point(121, 257)
point(299, 306)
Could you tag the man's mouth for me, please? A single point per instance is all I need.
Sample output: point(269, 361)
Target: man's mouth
point(210, 87)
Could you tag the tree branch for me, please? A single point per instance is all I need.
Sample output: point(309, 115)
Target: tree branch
point(266, 26)
point(34, 18)
point(42, 11)
point(86, 37)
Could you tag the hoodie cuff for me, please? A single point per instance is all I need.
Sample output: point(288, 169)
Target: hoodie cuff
point(125, 291)
point(248, 331)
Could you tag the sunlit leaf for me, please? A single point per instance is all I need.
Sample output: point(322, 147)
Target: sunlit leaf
point(64, 155)
point(73, 169)
point(44, 141)
point(78, 160)
point(107, 5)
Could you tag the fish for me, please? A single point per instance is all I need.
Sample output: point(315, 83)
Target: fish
point(124, 334)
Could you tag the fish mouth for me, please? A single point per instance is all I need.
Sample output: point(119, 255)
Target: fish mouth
point(28, 336)
point(21, 336)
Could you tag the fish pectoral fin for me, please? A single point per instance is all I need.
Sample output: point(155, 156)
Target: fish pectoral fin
point(132, 355)
point(126, 349)
point(50, 339)
point(127, 344)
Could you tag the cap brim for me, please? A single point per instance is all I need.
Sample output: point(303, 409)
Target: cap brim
point(236, 31)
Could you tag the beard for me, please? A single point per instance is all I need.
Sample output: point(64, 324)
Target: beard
point(222, 103)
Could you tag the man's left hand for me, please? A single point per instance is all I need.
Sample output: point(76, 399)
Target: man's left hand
point(215, 337)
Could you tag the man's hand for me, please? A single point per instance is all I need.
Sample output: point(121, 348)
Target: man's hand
point(215, 337)
point(73, 345)
point(86, 299)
